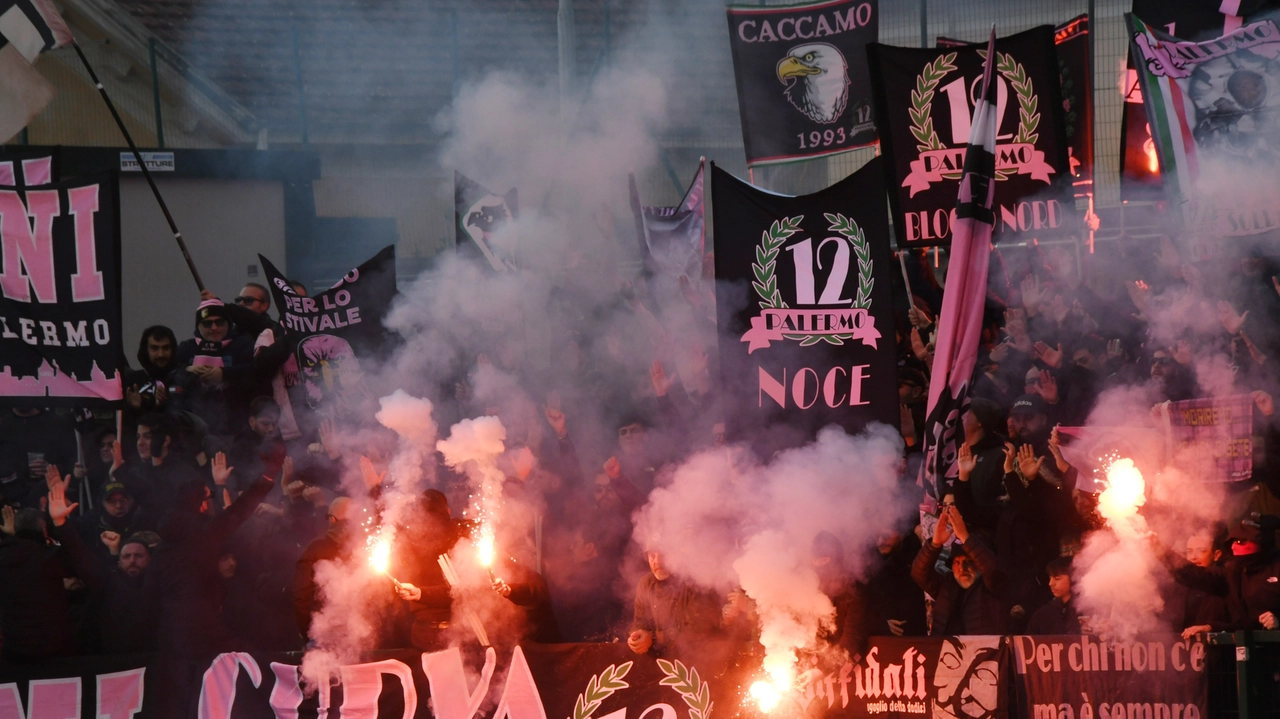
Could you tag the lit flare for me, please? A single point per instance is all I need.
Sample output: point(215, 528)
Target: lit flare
point(1125, 492)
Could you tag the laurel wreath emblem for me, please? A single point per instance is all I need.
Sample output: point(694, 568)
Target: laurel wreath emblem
point(922, 101)
point(926, 87)
point(685, 680)
point(766, 281)
point(599, 688)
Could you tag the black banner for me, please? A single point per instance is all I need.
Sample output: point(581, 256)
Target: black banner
point(329, 332)
point(20, 165)
point(1081, 676)
point(1076, 86)
point(944, 677)
point(479, 215)
point(60, 294)
point(803, 87)
point(924, 103)
point(802, 298)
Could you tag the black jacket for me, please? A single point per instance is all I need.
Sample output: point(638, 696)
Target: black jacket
point(35, 617)
point(989, 615)
point(1251, 586)
point(1056, 617)
point(185, 570)
point(891, 593)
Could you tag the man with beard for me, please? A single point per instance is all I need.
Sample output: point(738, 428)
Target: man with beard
point(1249, 581)
point(117, 517)
point(894, 603)
point(125, 610)
point(258, 449)
point(583, 590)
point(1029, 422)
point(971, 599)
point(671, 615)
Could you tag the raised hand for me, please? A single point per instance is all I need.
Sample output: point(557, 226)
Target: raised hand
point(221, 472)
point(1032, 295)
point(1055, 449)
point(613, 468)
point(1028, 462)
point(1139, 294)
point(286, 471)
point(8, 519)
point(957, 524)
point(1049, 355)
point(1010, 457)
point(1047, 387)
point(1266, 404)
point(966, 462)
point(658, 375)
point(112, 541)
point(1231, 320)
point(918, 347)
point(942, 530)
point(370, 474)
point(556, 419)
point(59, 510)
point(329, 439)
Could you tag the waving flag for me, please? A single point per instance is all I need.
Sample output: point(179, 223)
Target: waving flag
point(27, 28)
point(960, 325)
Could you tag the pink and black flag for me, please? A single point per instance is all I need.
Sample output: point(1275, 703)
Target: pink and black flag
point(27, 28)
point(960, 325)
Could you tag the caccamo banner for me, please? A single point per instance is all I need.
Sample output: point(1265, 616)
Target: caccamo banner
point(924, 104)
point(803, 87)
point(802, 297)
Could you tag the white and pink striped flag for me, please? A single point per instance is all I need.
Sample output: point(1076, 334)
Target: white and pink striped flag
point(960, 324)
point(27, 28)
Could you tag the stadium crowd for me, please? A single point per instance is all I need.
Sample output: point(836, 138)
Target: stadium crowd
point(195, 522)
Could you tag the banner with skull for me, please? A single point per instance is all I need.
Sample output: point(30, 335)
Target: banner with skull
point(1212, 107)
point(924, 101)
point(480, 216)
point(803, 306)
point(803, 87)
point(331, 333)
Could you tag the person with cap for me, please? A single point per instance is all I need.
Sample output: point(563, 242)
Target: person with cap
point(1029, 421)
point(971, 599)
point(1249, 580)
point(218, 362)
point(117, 516)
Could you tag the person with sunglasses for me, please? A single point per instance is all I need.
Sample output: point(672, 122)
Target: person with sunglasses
point(218, 380)
point(255, 297)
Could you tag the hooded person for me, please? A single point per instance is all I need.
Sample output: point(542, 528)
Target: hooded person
point(1249, 580)
point(827, 556)
point(895, 605)
point(980, 465)
point(430, 533)
point(157, 352)
point(219, 379)
point(189, 590)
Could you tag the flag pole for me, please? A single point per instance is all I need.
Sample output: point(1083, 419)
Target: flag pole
point(173, 226)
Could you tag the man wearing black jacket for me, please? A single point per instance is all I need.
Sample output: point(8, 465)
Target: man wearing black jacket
point(1250, 580)
point(35, 618)
point(970, 600)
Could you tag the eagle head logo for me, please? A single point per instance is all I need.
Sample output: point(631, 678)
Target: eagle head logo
point(817, 80)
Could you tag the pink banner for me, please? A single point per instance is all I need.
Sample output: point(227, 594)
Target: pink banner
point(771, 325)
point(1021, 158)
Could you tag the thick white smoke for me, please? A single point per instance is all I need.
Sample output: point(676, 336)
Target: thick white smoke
point(726, 521)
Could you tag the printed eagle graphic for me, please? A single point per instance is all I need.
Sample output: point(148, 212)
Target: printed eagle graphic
point(817, 80)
